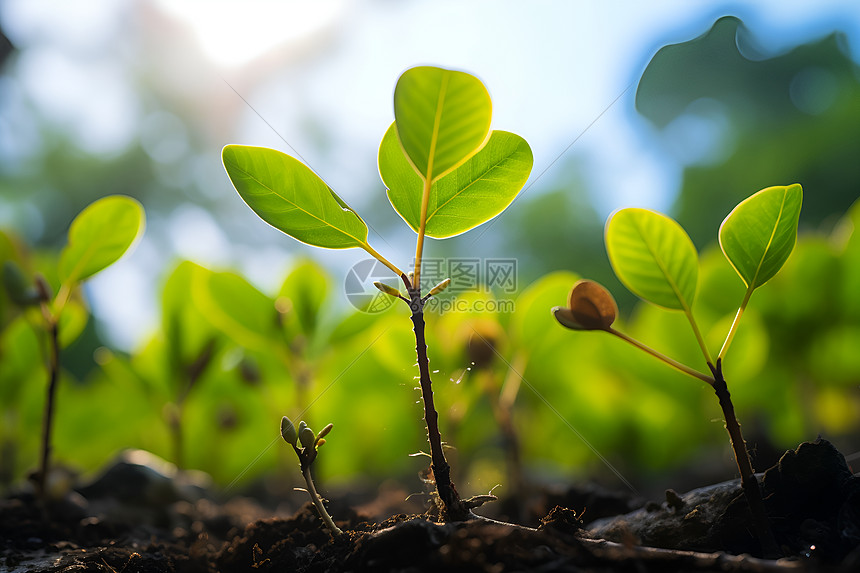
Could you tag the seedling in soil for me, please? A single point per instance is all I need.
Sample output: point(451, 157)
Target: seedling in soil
point(98, 237)
point(654, 258)
point(305, 443)
point(446, 173)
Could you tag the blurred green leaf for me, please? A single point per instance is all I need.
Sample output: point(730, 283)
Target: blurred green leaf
point(20, 359)
point(442, 118)
point(73, 320)
point(237, 308)
point(306, 289)
point(653, 256)
point(759, 234)
point(532, 322)
point(286, 194)
point(99, 236)
point(186, 330)
point(471, 194)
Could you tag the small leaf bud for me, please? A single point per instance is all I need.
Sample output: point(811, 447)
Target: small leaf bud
point(389, 290)
point(17, 285)
point(324, 432)
point(288, 431)
point(306, 437)
point(439, 287)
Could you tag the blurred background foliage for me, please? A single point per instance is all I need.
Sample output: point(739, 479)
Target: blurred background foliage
point(231, 327)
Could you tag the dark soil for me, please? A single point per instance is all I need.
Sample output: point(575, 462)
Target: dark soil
point(136, 519)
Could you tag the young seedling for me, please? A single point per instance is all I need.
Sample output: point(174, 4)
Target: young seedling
point(446, 173)
point(306, 444)
point(654, 258)
point(98, 237)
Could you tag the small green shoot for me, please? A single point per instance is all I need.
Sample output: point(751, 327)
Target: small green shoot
point(445, 172)
point(306, 444)
point(100, 234)
point(654, 258)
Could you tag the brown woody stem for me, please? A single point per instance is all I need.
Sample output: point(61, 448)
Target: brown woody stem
point(453, 508)
point(48, 420)
point(748, 480)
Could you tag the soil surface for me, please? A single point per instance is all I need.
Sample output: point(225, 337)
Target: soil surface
point(137, 518)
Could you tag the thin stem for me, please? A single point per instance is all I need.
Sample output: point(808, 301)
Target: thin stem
point(730, 336)
point(315, 498)
point(673, 363)
point(699, 338)
point(372, 252)
point(53, 366)
point(419, 245)
point(453, 507)
point(742, 457)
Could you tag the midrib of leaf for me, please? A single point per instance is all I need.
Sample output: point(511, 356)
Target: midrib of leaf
point(663, 270)
point(437, 120)
point(428, 182)
point(769, 242)
point(299, 208)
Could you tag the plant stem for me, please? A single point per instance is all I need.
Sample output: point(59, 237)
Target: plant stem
point(730, 336)
point(698, 334)
point(48, 420)
point(673, 363)
point(453, 507)
point(742, 457)
point(315, 498)
point(372, 252)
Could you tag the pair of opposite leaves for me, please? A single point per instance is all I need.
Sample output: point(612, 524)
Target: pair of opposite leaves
point(439, 145)
point(654, 257)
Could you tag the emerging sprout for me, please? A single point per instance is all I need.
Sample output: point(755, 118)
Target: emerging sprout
point(654, 257)
point(307, 454)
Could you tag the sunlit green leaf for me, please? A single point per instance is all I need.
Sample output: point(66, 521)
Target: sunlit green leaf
point(100, 235)
point(759, 234)
point(442, 118)
point(471, 194)
point(286, 194)
point(653, 257)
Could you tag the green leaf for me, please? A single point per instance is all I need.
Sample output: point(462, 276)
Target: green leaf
point(759, 234)
point(471, 194)
point(442, 118)
point(306, 289)
point(237, 308)
point(532, 323)
point(99, 236)
point(186, 331)
point(653, 256)
point(286, 194)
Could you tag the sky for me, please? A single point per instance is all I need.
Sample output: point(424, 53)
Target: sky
point(279, 73)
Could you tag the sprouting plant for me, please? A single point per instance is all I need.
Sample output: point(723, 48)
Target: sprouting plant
point(446, 173)
point(654, 258)
point(98, 237)
point(306, 445)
